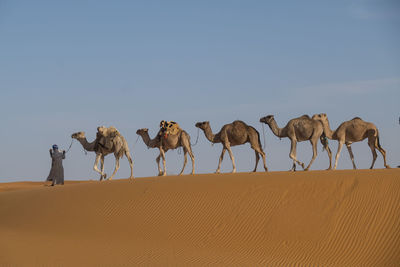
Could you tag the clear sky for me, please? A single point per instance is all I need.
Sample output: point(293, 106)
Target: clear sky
point(68, 66)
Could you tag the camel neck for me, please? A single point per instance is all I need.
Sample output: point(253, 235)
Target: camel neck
point(86, 145)
point(149, 142)
point(209, 135)
point(275, 129)
point(327, 129)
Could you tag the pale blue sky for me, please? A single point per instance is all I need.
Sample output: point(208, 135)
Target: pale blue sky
point(68, 66)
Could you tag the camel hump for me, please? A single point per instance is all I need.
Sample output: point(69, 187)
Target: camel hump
point(356, 118)
point(239, 122)
point(305, 116)
point(107, 137)
point(239, 127)
point(108, 132)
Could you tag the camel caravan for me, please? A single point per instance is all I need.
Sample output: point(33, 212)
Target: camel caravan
point(172, 136)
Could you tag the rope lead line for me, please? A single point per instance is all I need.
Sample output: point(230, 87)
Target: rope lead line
point(197, 139)
point(134, 145)
point(72, 140)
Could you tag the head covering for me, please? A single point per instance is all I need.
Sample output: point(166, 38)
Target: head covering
point(55, 147)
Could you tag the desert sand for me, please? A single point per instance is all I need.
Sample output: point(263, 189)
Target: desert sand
point(325, 218)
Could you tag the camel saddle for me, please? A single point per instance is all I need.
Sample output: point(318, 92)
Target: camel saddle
point(169, 128)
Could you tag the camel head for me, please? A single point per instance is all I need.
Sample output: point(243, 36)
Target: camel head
point(142, 131)
point(267, 119)
point(78, 135)
point(203, 125)
point(320, 117)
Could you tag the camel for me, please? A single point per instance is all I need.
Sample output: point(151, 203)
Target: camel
point(104, 145)
point(354, 130)
point(167, 142)
point(233, 134)
point(297, 130)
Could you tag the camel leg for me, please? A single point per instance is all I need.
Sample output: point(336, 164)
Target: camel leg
point(348, 145)
point(96, 169)
point(262, 153)
point(371, 144)
point(292, 155)
point(340, 145)
point(314, 148)
point(187, 147)
point(257, 159)
point(164, 163)
point(328, 150)
point(116, 167)
point(128, 156)
point(255, 144)
point(383, 152)
point(220, 160)
point(232, 158)
point(184, 161)
point(102, 165)
point(158, 164)
point(192, 158)
point(293, 167)
point(264, 160)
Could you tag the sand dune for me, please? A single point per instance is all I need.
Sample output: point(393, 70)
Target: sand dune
point(29, 185)
point(326, 218)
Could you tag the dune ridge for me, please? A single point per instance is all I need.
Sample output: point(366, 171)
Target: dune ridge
point(326, 218)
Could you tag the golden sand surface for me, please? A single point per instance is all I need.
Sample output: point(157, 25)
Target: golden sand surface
point(12, 186)
point(314, 218)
